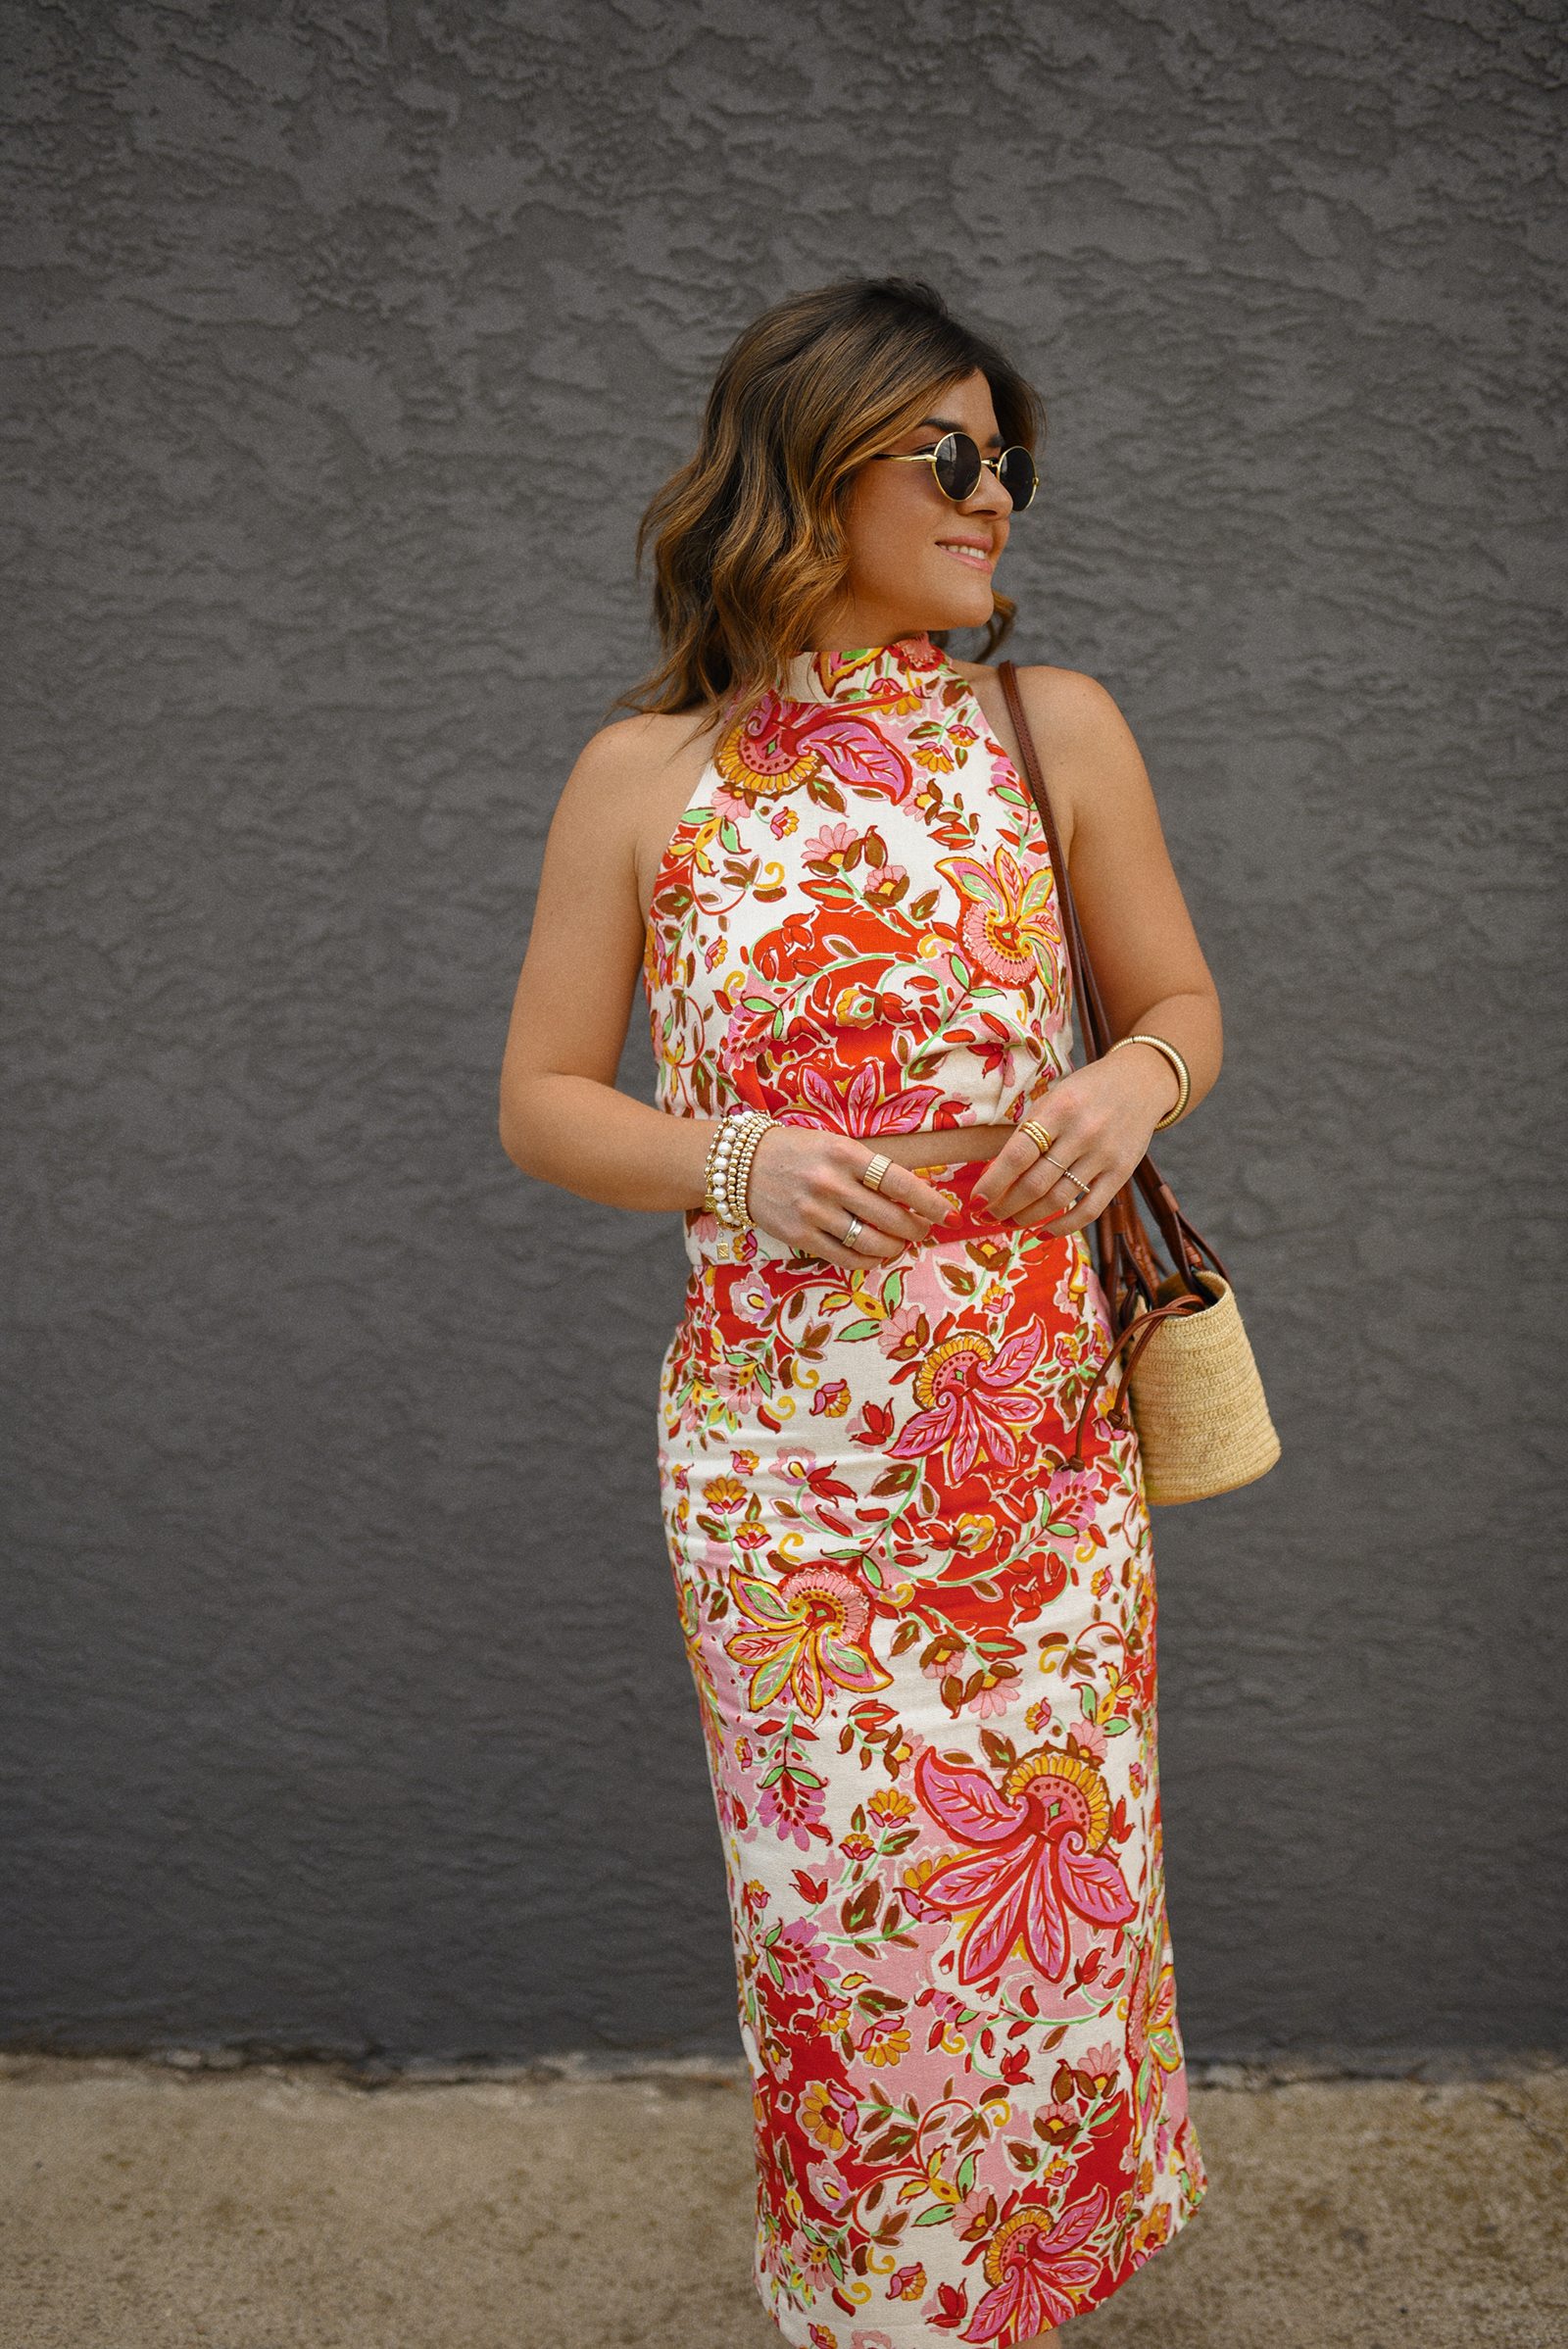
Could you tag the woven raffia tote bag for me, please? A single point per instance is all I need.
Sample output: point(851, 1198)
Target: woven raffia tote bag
point(1187, 1370)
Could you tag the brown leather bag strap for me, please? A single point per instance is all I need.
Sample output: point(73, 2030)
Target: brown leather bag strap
point(1126, 1259)
point(1092, 1022)
point(1134, 1337)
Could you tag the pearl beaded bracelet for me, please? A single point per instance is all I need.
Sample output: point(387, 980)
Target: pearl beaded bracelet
point(729, 1173)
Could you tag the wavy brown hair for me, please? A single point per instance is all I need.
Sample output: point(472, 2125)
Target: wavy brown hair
point(749, 537)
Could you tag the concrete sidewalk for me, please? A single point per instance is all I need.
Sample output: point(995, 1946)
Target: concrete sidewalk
point(150, 2206)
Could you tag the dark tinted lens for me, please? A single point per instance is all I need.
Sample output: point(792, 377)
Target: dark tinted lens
point(958, 466)
point(1017, 475)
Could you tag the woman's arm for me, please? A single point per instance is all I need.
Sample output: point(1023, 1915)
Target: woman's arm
point(562, 1118)
point(1141, 941)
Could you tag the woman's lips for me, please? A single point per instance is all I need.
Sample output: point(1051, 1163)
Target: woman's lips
point(973, 558)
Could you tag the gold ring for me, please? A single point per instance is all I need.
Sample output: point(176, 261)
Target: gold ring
point(1039, 1137)
point(876, 1169)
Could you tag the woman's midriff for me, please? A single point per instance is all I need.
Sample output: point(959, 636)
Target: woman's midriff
point(945, 1146)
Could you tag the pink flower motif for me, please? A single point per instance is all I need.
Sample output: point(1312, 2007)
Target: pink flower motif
point(833, 1398)
point(827, 2188)
point(795, 1465)
point(1036, 2270)
point(821, 2338)
point(987, 1702)
point(793, 1806)
point(813, 2263)
point(727, 807)
point(1037, 1852)
point(783, 822)
point(1100, 2062)
point(799, 1955)
point(974, 1399)
point(1072, 1495)
point(860, 1107)
point(832, 841)
point(1089, 1737)
point(897, 1327)
point(870, 2340)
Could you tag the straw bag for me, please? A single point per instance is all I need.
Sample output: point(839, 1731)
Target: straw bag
point(1197, 1400)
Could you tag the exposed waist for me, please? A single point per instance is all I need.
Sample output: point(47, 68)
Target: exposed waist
point(943, 1145)
point(934, 1145)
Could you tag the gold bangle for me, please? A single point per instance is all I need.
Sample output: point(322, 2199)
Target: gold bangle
point(1179, 1069)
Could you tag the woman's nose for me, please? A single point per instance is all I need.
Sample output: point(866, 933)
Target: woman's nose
point(988, 494)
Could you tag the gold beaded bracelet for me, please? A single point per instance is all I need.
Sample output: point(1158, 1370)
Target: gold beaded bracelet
point(740, 1170)
point(1179, 1069)
point(729, 1173)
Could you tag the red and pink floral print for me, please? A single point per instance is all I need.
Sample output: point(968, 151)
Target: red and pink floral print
point(923, 1648)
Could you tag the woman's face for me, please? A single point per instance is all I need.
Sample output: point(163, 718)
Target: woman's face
point(916, 560)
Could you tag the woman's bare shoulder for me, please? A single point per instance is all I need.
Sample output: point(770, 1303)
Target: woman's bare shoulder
point(632, 783)
point(1060, 703)
point(635, 752)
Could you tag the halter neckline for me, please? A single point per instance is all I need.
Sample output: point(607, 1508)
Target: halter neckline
point(912, 664)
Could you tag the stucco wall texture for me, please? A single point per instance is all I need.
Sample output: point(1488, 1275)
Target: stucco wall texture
point(346, 1705)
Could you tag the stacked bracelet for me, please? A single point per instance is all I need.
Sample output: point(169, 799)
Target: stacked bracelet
point(740, 1171)
point(1179, 1070)
point(729, 1167)
point(718, 1151)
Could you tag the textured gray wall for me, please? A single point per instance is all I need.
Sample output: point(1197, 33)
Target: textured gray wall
point(346, 1705)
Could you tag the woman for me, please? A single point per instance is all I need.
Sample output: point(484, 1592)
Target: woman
point(924, 1650)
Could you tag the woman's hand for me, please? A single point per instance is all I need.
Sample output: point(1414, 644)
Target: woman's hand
point(806, 1189)
point(1100, 1120)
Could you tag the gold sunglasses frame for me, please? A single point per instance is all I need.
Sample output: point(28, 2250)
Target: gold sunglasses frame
point(930, 456)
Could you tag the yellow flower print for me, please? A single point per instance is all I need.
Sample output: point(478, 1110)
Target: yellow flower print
point(823, 2117)
point(883, 2043)
point(724, 1492)
point(890, 1809)
point(975, 1533)
point(915, 1877)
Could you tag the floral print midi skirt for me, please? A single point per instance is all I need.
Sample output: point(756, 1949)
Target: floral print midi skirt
point(936, 1780)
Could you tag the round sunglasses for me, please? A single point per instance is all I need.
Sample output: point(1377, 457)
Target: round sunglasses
point(958, 465)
